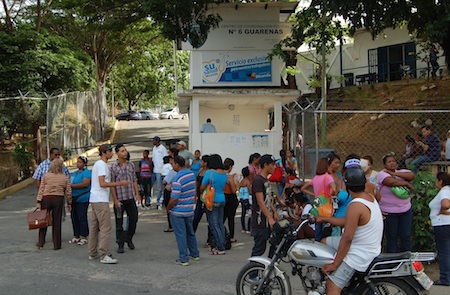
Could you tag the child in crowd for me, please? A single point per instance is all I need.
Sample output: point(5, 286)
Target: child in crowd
point(245, 187)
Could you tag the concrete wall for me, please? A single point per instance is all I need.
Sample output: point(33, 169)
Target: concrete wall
point(244, 118)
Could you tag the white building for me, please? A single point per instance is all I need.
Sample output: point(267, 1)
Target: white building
point(379, 60)
point(234, 84)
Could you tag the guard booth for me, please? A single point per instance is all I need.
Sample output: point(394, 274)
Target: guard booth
point(235, 84)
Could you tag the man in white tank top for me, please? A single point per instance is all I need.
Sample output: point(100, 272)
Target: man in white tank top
point(360, 242)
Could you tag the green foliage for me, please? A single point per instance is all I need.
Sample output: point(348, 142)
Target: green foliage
point(183, 19)
point(23, 157)
point(105, 30)
point(425, 191)
point(66, 153)
point(40, 62)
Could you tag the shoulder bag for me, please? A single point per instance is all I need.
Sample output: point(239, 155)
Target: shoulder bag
point(207, 196)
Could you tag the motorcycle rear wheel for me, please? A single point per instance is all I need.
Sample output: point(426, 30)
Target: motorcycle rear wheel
point(389, 286)
point(249, 278)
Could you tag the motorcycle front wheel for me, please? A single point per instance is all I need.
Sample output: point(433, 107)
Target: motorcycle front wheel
point(251, 275)
point(389, 286)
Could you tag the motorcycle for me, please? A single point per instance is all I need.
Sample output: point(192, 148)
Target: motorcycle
point(393, 273)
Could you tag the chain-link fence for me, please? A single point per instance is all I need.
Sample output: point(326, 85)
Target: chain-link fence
point(358, 126)
point(73, 121)
point(76, 120)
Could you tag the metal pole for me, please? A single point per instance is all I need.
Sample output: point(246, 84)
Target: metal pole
point(175, 65)
point(323, 133)
point(302, 146)
point(48, 123)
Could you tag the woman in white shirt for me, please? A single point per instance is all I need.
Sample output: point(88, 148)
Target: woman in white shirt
point(440, 220)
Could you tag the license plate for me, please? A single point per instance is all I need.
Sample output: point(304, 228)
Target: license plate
point(424, 280)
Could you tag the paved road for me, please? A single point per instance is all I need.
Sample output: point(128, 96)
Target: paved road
point(149, 269)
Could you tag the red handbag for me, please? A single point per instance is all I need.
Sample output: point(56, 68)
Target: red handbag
point(39, 219)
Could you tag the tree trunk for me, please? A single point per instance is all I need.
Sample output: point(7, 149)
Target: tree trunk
point(9, 24)
point(446, 47)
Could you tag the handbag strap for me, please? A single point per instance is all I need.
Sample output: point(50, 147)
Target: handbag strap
point(211, 178)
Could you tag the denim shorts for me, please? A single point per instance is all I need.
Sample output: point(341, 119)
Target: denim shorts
point(342, 275)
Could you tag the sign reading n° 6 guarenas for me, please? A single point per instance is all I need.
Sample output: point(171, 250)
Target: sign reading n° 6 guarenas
point(244, 36)
point(236, 67)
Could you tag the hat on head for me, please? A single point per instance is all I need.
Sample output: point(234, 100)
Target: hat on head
point(352, 163)
point(266, 159)
point(295, 182)
point(105, 147)
point(181, 142)
point(156, 138)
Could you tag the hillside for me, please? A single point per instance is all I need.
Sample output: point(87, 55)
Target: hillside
point(381, 132)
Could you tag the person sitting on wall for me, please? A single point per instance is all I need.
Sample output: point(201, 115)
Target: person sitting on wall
point(432, 149)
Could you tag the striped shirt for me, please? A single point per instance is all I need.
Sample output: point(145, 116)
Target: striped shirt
point(146, 169)
point(120, 172)
point(183, 189)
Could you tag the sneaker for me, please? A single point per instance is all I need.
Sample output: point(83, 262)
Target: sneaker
point(120, 249)
point(194, 258)
point(181, 263)
point(93, 257)
point(243, 231)
point(159, 207)
point(107, 259)
point(248, 232)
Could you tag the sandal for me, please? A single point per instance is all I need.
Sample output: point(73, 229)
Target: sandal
point(82, 242)
point(74, 240)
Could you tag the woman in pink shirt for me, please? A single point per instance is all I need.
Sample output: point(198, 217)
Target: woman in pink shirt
point(397, 212)
point(322, 182)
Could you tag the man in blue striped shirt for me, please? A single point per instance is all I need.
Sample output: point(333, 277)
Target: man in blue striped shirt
point(181, 210)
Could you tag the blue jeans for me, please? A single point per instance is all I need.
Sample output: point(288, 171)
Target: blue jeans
point(79, 219)
point(186, 240)
point(156, 177)
point(215, 221)
point(442, 238)
point(398, 226)
point(419, 160)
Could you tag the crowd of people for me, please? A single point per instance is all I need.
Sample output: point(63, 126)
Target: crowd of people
point(367, 210)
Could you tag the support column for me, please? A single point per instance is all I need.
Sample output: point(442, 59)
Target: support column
point(277, 143)
point(195, 140)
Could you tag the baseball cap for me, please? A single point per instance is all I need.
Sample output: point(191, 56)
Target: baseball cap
point(105, 147)
point(156, 138)
point(266, 159)
point(181, 142)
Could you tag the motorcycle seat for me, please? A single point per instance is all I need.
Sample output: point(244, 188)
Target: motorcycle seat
point(392, 256)
point(389, 257)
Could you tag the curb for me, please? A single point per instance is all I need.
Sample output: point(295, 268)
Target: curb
point(16, 187)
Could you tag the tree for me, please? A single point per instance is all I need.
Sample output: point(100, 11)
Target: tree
point(426, 19)
point(40, 62)
point(183, 20)
point(146, 78)
point(103, 29)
